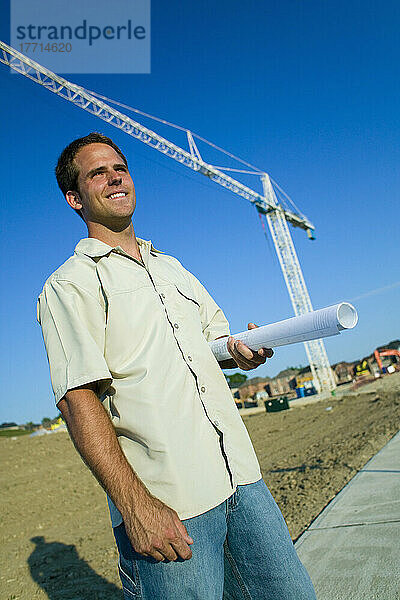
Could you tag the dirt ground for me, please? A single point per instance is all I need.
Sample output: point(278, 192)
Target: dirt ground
point(57, 540)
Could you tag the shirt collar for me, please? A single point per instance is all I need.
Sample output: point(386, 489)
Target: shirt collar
point(96, 248)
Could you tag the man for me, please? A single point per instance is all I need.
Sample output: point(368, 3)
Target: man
point(126, 329)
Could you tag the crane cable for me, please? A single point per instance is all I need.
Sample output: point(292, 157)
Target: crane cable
point(283, 196)
point(199, 137)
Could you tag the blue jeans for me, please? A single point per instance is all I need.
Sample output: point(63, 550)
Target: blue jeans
point(242, 551)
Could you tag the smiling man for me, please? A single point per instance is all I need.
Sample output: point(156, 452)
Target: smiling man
point(126, 329)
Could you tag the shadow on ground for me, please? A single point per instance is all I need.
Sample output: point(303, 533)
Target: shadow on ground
point(63, 575)
point(299, 469)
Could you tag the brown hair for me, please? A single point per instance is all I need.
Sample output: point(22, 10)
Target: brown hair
point(67, 171)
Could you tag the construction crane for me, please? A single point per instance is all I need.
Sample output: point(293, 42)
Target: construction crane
point(267, 204)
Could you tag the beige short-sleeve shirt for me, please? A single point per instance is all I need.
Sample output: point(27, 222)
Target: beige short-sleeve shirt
point(142, 331)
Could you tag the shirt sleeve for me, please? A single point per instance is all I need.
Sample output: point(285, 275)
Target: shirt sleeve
point(214, 322)
point(73, 327)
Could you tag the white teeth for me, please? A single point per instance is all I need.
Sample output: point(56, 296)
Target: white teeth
point(118, 195)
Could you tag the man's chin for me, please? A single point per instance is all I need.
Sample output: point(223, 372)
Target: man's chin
point(116, 222)
point(122, 212)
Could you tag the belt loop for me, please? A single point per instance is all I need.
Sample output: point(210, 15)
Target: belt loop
point(232, 501)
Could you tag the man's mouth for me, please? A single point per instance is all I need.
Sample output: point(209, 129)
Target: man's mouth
point(116, 195)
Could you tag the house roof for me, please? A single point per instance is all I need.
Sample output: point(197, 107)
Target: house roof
point(254, 381)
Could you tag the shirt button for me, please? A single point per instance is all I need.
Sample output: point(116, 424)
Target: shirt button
point(216, 423)
point(202, 389)
point(162, 295)
point(176, 325)
point(190, 358)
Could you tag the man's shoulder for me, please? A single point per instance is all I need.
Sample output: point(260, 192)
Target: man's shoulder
point(78, 269)
point(169, 259)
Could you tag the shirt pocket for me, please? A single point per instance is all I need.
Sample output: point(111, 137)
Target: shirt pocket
point(187, 306)
point(188, 295)
point(136, 323)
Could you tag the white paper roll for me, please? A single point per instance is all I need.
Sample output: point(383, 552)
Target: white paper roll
point(311, 326)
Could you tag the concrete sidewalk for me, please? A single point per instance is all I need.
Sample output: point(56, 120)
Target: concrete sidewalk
point(352, 549)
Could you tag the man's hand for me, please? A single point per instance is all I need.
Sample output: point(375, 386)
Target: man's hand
point(155, 530)
point(245, 358)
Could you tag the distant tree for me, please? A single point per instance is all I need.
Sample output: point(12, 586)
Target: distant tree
point(235, 379)
point(30, 426)
point(393, 345)
point(46, 422)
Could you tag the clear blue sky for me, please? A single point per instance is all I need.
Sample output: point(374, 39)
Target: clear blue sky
point(307, 91)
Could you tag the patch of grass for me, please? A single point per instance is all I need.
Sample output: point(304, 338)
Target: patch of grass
point(13, 432)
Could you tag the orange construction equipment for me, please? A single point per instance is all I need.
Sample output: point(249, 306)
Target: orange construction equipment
point(384, 352)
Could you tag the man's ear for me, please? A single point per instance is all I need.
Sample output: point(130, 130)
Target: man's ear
point(73, 199)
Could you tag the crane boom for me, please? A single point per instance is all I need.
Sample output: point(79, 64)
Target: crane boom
point(81, 98)
point(277, 216)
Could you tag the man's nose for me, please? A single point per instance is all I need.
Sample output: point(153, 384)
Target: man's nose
point(114, 178)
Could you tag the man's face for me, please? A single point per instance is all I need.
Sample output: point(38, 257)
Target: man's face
point(105, 187)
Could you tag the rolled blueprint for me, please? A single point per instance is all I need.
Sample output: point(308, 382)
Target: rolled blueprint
point(310, 326)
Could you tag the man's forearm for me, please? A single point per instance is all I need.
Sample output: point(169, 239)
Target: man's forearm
point(94, 437)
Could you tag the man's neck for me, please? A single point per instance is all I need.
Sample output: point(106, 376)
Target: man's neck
point(125, 238)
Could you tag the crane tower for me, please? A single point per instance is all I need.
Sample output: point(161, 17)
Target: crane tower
point(267, 204)
point(299, 296)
